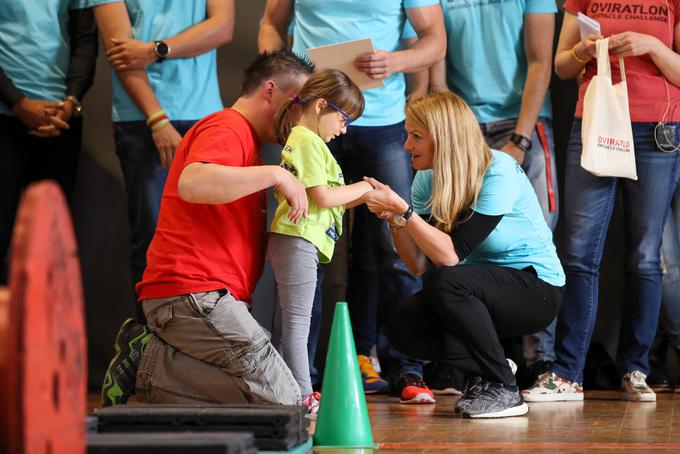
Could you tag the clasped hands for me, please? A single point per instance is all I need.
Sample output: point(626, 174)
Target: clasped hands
point(382, 200)
point(44, 118)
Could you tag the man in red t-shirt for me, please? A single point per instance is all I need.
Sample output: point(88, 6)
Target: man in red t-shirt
point(201, 344)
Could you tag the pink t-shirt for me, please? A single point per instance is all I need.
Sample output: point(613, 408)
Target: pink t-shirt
point(646, 89)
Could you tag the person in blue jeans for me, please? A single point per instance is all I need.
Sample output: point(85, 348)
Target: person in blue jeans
point(164, 56)
point(504, 76)
point(652, 68)
point(374, 144)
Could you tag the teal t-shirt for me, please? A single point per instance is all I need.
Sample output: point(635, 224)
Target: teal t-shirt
point(521, 238)
point(307, 157)
point(35, 46)
point(187, 88)
point(485, 60)
point(322, 22)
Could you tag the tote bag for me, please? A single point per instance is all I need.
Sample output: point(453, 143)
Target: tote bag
point(606, 132)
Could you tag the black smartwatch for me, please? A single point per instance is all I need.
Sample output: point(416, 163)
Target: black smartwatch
point(523, 143)
point(400, 220)
point(162, 50)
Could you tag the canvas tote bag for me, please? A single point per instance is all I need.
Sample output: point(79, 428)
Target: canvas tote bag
point(606, 131)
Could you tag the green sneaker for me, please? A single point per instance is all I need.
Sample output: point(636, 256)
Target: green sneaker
point(119, 381)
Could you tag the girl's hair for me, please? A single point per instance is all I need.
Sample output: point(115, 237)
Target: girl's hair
point(330, 84)
point(461, 155)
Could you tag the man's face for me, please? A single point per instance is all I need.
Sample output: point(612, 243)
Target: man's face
point(280, 94)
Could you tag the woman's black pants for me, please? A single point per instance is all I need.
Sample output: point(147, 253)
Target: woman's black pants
point(464, 310)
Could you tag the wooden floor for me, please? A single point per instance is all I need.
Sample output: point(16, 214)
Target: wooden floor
point(601, 423)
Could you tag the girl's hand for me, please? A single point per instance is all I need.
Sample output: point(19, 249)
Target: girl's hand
point(382, 198)
point(586, 48)
point(632, 44)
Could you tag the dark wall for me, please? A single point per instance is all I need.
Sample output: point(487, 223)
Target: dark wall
point(99, 209)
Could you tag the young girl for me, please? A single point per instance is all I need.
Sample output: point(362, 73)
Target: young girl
point(328, 102)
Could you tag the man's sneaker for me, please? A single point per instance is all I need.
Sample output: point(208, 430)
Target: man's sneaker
point(634, 387)
point(372, 381)
point(496, 401)
point(539, 368)
point(443, 378)
point(658, 379)
point(312, 402)
point(551, 388)
point(119, 380)
point(411, 389)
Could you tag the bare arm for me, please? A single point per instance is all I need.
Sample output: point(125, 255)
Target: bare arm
point(273, 33)
point(438, 76)
point(566, 66)
point(216, 184)
point(538, 39)
point(428, 23)
point(326, 197)
point(417, 84)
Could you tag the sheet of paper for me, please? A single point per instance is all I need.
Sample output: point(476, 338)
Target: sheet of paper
point(342, 56)
point(588, 26)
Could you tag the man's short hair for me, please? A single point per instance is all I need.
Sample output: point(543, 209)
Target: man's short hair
point(279, 65)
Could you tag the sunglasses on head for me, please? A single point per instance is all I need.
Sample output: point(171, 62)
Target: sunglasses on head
point(347, 118)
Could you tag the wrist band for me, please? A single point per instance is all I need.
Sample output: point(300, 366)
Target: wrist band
point(155, 116)
point(157, 120)
point(576, 56)
point(160, 124)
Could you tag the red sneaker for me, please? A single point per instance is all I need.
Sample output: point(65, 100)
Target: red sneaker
point(312, 402)
point(413, 390)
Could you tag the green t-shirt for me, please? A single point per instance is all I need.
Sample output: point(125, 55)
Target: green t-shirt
point(307, 157)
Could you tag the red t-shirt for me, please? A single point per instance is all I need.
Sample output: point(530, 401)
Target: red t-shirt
point(646, 90)
point(201, 247)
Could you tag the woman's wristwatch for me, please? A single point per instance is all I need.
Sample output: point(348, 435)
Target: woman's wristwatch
point(400, 220)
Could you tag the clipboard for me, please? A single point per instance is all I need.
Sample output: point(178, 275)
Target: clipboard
point(341, 56)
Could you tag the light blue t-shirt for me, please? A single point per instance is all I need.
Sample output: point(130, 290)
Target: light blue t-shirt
point(521, 238)
point(186, 88)
point(318, 23)
point(485, 60)
point(35, 46)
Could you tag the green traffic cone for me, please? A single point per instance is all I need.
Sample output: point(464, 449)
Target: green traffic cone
point(343, 417)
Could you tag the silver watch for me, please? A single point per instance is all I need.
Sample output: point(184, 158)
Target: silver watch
point(77, 108)
point(402, 219)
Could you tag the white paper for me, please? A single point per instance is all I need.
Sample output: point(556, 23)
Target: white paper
point(588, 26)
point(341, 56)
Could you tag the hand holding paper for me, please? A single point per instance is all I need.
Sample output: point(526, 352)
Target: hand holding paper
point(343, 56)
point(377, 65)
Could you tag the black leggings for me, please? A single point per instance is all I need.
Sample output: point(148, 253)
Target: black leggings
point(462, 312)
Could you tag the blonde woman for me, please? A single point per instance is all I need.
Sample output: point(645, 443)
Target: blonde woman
point(475, 206)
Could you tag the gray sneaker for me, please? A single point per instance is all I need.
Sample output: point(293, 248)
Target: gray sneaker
point(473, 388)
point(496, 401)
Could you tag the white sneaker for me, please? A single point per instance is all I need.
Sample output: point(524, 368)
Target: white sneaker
point(512, 365)
point(634, 387)
point(551, 388)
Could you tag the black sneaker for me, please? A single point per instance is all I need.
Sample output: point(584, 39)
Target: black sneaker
point(411, 389)
point(472, 389)
point(119, 380)
point(443, 378)
point(496, 401)
point(658, 379)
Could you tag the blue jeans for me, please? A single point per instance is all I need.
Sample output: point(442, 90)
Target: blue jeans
point(670, 256)
point(589, 202)
point(375, 268)
point(539, 165)
point(144, 182)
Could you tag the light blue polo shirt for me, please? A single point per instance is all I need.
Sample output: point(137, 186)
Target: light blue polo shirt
point(322, 22)
point(35, 46)
point(187, 88)
point(485, 60)
point(521, 238)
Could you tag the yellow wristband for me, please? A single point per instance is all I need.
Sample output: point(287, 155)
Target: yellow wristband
point(160, 124)
point(576, 56)
point(160, 113)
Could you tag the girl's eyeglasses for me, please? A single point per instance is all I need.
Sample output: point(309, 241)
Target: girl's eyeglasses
point(347, 118)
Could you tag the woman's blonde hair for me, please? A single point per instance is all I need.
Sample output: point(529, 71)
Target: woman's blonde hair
point(461, 155)
point(330, 84)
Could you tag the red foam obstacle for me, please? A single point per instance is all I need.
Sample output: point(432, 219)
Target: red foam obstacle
point(43, 356)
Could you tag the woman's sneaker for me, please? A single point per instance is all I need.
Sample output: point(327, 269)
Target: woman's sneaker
point(551, 388)
point(634, 387)
point(496, 401)
point(370, 379)
point(411, 389)
point(312, 402)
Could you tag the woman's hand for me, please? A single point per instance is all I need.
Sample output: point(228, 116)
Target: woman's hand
point(586, 49)
point(383, 199)
point(632, 44)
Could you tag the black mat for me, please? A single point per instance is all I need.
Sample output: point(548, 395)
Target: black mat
point(274, 427)
point(171, 443)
